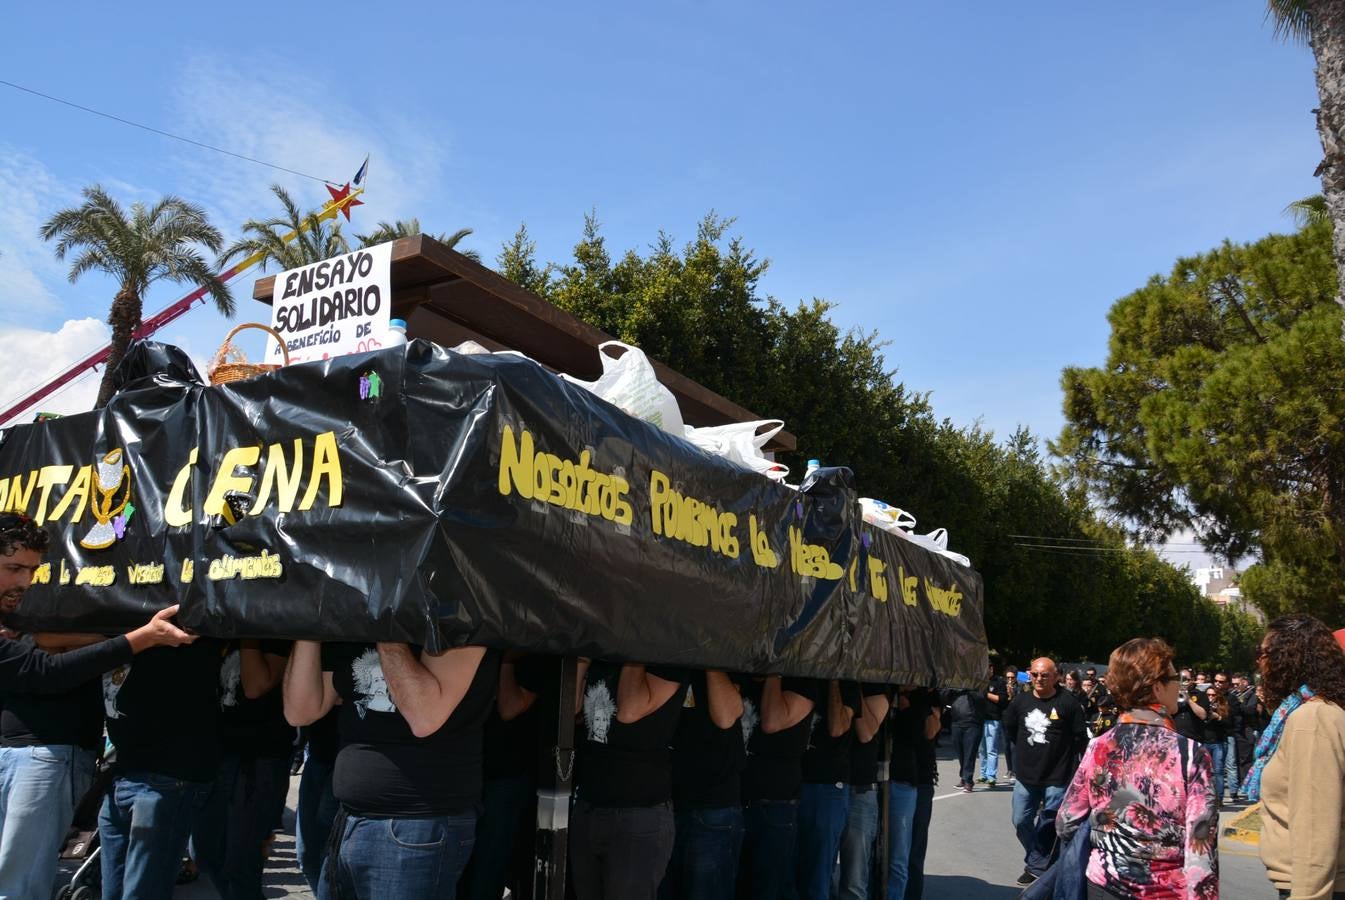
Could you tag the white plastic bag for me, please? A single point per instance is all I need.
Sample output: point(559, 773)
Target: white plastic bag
point(937, 541)
point(741, 442)
point(628, 381)
point(885, 516)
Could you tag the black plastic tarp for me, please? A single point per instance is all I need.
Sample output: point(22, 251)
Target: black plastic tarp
point(421, 495)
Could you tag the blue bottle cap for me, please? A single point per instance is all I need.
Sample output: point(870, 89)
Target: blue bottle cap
point(814, 464)
point(397, 323)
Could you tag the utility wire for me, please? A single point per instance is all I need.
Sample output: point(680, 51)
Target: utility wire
point(167, 134)
point(1065, 548)
point(1053, 538)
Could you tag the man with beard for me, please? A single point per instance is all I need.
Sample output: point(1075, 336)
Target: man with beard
point(52, 721)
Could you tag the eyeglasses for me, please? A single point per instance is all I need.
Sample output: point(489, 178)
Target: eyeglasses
point(1168, 678)
point(1041, 674)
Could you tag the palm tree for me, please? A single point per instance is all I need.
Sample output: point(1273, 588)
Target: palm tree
point(316, 238)
point(391, 231)
point(151, 244)
point(1321, 23)
point(1308, 211)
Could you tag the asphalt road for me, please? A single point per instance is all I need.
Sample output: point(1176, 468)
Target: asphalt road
point(973, 854)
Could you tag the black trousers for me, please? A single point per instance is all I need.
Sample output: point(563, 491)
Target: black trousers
point(966, 742)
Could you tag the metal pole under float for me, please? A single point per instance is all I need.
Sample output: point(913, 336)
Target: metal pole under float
point(554, 792)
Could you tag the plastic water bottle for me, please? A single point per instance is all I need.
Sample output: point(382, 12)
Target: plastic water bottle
point(813, 466)
point(396, 332)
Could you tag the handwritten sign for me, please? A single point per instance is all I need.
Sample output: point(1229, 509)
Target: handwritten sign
point(338, 306)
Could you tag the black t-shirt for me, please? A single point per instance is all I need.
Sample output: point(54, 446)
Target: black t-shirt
point(908, 738)
point(926, 749)
point(707, 760)
point(324, 737)
point(966, 708)
point(626, 765)
point(1048, 735)
point(252, 728)
point(827, 758)
point(74, 716)
point(163, 711)
point(994, 711)
point(775, 761)
point(511, 747)
point(383, 770)
point(864, 754)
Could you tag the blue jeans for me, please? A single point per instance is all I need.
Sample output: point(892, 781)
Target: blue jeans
point(924, 812)
point(770, 830)
point(314, 817)
point(861, 828)
point(966, 741)
point(143, 829)
point(1216, 749)
point(704, 864)
point(823, 809)
point(506, 803)
point(1231, 765)
point(244, 804)
point(990, 750)
point(1034, 809)
point(390, 859)
point(901, 828)
point(39, 790)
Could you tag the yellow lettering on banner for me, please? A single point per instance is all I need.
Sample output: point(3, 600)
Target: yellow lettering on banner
point(226, 480)
point(909, 594)
point(188, 571)
point(48, 477)
point(762, 554)
point(548, 478)
point(175, 513)
point(326, 464)
point(249, 568)
point(811, 560)
point(878, 579)
point(946, 600)
point(96, 576)
point(65, 574)
point(145, 573)
point(692, 521)
point(42, 574)
point(17, 496)
point(79, 489)
point(281, 477)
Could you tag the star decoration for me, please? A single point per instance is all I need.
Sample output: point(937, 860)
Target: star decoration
point(341, 194)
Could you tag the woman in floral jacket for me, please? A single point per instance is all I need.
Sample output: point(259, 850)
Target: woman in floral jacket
point(1147, 792)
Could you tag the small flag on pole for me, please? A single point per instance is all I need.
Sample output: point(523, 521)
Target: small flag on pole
point(359, 176)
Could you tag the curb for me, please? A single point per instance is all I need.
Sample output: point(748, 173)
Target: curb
point(1234, 830)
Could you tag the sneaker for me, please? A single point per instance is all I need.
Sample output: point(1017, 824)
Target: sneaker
point(1026, 878)
point(966, 787)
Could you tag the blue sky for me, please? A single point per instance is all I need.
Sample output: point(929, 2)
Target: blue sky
point(977, 182)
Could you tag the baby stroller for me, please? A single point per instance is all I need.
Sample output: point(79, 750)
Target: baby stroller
point(81, 846)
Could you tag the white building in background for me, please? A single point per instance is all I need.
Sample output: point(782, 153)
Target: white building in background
point(1220, 584)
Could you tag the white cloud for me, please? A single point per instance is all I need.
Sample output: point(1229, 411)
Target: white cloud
point(287, 118)
point(27, 266)
point(29, 358)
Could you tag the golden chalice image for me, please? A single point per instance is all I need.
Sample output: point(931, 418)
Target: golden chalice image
point(112, 475)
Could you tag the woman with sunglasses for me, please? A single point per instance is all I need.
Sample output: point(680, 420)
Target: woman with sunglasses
point(1298, 772)
point(1146, 791)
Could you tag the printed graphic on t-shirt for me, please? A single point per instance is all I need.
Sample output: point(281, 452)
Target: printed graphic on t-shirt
point(598, 711)
point(1036, 724)
point(230, 679)
point(749, 721)
point(112, 682)
point(371, 688)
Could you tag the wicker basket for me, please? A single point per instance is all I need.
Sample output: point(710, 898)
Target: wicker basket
point(231, 364)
